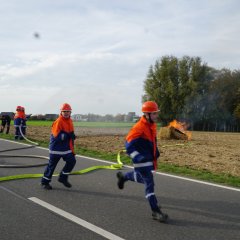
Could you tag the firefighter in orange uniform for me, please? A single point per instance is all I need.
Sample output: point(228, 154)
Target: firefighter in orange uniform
point(141, 146)
point(61, 146)
point(20, 123)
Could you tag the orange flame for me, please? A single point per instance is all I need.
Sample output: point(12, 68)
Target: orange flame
point(182, 127)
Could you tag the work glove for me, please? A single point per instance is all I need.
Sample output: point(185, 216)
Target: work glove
point(73, 136)
point(64, 136)
point(139, 159)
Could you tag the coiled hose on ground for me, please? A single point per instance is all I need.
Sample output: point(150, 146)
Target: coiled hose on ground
point(22, 156)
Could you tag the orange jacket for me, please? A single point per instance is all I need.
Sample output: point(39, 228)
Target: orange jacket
point(20, 119)
point(62, 137)
point(20, 114)
point(141, 145)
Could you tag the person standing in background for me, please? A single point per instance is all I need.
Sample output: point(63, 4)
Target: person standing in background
point(20, 123)
point(6, 120)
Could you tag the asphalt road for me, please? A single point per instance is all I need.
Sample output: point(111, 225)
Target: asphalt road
point(94, 208)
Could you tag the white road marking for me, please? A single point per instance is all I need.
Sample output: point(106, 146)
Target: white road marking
point(159, 173)
point(201, 182)
point(75, 219)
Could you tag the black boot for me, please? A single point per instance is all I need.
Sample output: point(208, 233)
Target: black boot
point(121, 180)
point(160, 216)
point(65, 182)
point(46, 186)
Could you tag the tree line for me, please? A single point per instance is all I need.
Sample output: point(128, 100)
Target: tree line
point(189, 90)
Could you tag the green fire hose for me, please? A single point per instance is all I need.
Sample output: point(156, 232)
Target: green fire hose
point(116, 166)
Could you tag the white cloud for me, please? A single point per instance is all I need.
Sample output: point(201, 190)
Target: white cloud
point(29, 66)
point(29, 97)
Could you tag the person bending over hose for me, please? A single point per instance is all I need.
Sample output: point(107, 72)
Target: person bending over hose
point(6, 120)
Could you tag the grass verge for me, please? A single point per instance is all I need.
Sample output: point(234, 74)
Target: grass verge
point(225, 179)
point(84, 124)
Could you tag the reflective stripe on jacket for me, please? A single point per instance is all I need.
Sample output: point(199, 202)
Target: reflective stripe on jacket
point(141, 145)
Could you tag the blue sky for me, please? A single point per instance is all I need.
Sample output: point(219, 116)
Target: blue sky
point(95, 54)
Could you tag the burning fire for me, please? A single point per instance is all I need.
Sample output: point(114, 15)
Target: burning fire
point(181, 127)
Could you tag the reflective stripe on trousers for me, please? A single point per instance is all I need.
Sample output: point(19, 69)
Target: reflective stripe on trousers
point(53, 161)
point(145, 177)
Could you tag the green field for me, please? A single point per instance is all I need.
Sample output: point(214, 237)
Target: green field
point(39, 123)
point(84, 124)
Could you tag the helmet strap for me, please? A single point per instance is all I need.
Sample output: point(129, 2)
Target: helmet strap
point(148, 117)
point(63, 114)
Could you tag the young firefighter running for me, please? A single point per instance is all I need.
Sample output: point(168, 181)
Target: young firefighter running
point(141, 146)
point(61, 146)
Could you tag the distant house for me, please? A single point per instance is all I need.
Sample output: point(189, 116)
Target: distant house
point(136, 119)
point(10, 114)
point(79, 118)
point(76, 117)
point(38, 117)
point(51, 117)
point(130, 117)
